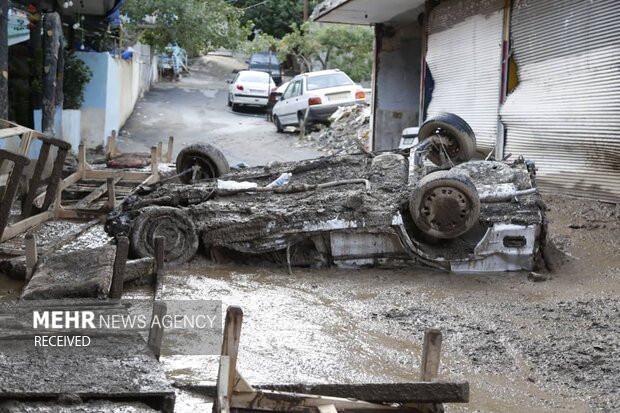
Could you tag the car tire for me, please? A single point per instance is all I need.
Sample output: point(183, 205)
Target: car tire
point(171, 223)
point(211, 162)
point(229, 101)
point(276, 121)
point(234, 106)
point(444, 205)
point(462, 140)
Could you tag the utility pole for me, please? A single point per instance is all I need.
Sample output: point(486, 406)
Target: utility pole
point(4, 59)
point(305, 10)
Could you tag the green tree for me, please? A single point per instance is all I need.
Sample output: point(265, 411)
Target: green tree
point(196, 25)
point(78, 75)
point(273, 17)
point(327, 46)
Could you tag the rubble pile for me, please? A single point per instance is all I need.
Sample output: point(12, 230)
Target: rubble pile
point(348, 132)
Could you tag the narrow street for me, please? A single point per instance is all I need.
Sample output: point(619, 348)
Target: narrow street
point(194, 110)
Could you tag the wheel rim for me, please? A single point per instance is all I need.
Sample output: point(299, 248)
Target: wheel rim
point(445, 209)
point(452, 148)
point(204, 170)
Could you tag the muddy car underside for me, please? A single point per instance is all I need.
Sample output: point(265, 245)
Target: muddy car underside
point(350, 210)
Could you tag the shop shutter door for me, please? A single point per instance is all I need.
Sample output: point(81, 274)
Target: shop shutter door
point(464, 55)
point(565, 112)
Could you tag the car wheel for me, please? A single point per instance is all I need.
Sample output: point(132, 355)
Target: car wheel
point(444, 205)
point(209, 161)
point(458, 140)
point(229, 101)
point(276, 121)
point(171, 223)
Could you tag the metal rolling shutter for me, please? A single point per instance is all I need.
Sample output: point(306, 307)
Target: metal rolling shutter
point(565, 113)
point(464, 55)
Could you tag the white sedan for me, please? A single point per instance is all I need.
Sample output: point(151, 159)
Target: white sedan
point(313, 97)
point(250, 87)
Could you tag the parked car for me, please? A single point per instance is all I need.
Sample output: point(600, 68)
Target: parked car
point(274, 96)
point(313, 97)
point(267, 62)
point(250, 87)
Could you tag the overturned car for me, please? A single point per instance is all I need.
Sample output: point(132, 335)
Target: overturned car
point(348, 210)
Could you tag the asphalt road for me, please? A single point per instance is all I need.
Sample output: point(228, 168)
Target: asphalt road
point(194, 110)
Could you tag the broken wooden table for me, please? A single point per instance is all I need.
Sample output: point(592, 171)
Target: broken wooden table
point(426, 396)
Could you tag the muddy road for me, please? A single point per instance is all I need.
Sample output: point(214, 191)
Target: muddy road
point(194, 110)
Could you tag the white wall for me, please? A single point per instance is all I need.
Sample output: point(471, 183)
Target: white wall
point(112, 93)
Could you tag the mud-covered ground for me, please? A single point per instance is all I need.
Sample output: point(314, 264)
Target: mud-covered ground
point(523, 345)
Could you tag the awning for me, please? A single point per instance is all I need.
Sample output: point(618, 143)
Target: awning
point(18, 29)
point(367, 12)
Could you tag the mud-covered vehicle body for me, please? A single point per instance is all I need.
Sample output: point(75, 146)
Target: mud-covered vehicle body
point(361, 209)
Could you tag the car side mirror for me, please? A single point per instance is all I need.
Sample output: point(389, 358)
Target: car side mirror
point(247, 62)
point(229, 81)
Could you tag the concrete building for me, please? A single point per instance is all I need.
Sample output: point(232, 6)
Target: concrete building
point(536, 78)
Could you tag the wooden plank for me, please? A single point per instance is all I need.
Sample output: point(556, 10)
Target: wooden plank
point(431, 353)
point(230, 344)
point(102, 189)
point(222, 401)
point(102, 175)
point(112, 152)
point(170, 146)
point(287, 402)
point(120, 261)
point(9, 196)
point(35, 181)
point(414, 392)
point(26, 140)
point(14, 230)
point(16, 130)
point(154, 162)
point(112, 192)
point(156, 333)
point(55, 180)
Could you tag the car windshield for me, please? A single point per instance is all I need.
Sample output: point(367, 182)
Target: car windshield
point(327, 81)
point(258, 77)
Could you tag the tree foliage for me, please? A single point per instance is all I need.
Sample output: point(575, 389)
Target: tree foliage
point(79, 75)
point(274, 17)
point(317, 46)
point(196, 25)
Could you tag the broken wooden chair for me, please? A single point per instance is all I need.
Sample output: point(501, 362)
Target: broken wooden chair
point(37, 207)
point(14, 175)
point(426, 396)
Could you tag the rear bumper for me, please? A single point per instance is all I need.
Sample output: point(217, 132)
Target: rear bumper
point(250, 100)
point(323, 112)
